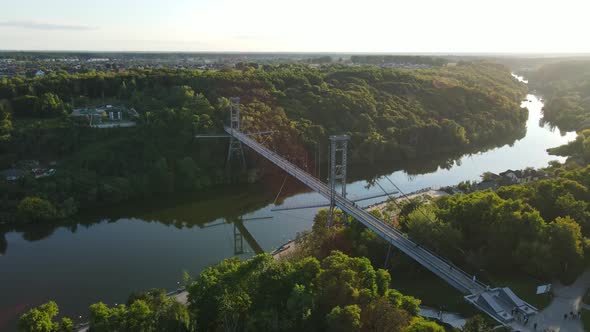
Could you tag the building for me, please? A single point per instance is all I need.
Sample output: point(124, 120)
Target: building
point(42, 172)
point(487, 184)
point(523, 176)
point(12, 174)
point(107, 116)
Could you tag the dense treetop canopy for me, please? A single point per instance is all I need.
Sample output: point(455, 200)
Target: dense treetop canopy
point(566, 88)
point(391, 114)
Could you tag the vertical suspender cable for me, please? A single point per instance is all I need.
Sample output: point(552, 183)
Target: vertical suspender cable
point(280, 190)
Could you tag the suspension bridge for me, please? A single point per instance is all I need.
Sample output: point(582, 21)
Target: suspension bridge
point(499, 303)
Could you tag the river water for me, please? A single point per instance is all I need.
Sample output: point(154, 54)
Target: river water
point(106, 256)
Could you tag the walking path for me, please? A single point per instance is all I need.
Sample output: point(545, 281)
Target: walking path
point(566, 299)
point(451, 318)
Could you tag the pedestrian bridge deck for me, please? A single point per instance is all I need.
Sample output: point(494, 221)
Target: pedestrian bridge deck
point(494, 302)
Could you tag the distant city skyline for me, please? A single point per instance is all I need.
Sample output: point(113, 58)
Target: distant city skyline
point(372, 26)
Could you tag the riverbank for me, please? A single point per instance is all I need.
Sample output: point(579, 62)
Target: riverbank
point(285, 251)
point(195, 234)
point(423, 194)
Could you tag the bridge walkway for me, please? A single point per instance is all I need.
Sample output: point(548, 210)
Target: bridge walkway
point(494, 302)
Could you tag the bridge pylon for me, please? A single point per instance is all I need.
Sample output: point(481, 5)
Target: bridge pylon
point(338, 148)
point(235, 146)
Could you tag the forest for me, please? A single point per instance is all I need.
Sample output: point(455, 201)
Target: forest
point(330, 284)
point(408, 59)
point(337, 293)
point(391, 114)
point(539, 229)
point(565, 86)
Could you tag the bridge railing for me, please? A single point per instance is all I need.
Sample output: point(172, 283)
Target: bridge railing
point(453, 275)
point(434, 262)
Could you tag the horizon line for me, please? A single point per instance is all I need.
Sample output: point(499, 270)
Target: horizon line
point(437, 53)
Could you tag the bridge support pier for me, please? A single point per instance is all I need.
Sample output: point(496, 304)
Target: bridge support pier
point(235, 146)
point(338, 148)
point(238, 241)
point(495, 302)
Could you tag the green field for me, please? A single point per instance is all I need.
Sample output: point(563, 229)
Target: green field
point(436, 293)
point(433, 291)
point(525, 287)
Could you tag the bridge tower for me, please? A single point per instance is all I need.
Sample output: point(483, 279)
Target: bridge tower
point(235, 146)
point(338, 148)
point(238, 241)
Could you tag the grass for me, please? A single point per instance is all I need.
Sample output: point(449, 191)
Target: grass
point(525, 287)
point(436, 293)
point(433, 291)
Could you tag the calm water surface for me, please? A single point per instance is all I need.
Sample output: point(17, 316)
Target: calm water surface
point(106, 256)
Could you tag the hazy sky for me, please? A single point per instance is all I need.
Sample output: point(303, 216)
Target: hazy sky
point(522, 26)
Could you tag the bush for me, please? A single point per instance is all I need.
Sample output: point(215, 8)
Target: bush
point(32, 209)
point(41, 320)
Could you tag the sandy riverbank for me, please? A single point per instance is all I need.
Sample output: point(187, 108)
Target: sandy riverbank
point(284, 251)
point(432, 193)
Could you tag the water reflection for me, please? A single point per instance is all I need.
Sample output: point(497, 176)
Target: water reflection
point(106, 254)
point(3, 244)
point(229, 203)
point(442, 161)
point(225, 204)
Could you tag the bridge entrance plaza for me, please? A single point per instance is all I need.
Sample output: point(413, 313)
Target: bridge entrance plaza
point(499, 303)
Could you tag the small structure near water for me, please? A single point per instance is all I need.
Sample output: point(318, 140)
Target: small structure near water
point(12, 174)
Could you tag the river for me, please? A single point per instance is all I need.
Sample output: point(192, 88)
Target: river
point(106, 256)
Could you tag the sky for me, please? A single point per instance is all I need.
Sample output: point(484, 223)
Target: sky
point(367, 26)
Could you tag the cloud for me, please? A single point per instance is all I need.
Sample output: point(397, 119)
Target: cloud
point(45, 26)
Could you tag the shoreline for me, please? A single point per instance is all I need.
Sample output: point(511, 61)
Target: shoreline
point(422, 193)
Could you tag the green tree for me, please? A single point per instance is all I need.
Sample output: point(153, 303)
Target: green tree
point(49, 105)
point(175, 317)
point(381, 315)
point(476, 324)
point(103, 318)
point(232, 308)
point(25, 105)
point(186, 175)
point(421, 325)
point(346, 319)
point(425, 228)
point(40, 319)
point(100, 317)
point(299, 307)
point(33, 209)
point(139, 317)
point(161, 179)
point(565, 239)
point(5, 121)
